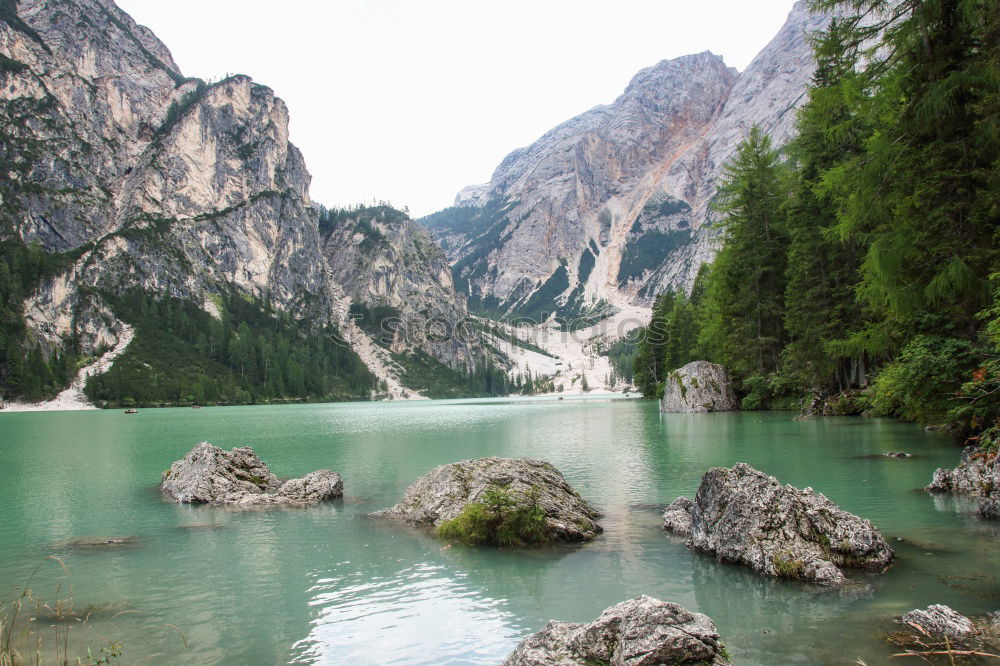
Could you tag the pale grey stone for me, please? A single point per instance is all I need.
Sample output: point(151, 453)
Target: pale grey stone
point(699, 386)
point(640, 632)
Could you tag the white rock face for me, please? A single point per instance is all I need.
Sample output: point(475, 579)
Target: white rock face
point(699, 386)
point(939, 621)
point(629, 182)
point(640, 632)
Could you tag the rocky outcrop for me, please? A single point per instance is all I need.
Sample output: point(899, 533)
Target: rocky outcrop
point(699, 386)
point(210, 475)
point(939, 621)
point(744, 516)
point(612, 205)
point(677, 517)
point(445, 491)
point(639, 632)
point(977, 475)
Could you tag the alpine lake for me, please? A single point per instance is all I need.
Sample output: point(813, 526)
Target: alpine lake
point(329, 585)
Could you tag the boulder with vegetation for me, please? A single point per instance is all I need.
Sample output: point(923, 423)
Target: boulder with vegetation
point(699, 386)
point(639, 632)
point(210, 475)
point(977, 475)
point(744, 516)
point(498, 501)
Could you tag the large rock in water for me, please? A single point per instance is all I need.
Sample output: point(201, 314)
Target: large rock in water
point(745, 516)
point(978, 475)
point(210, 475)
point(699, 386)
point(639, 632)
point(442, 493)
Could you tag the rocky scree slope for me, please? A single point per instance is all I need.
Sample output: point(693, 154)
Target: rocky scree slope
point(612, 206)
point(154, 181)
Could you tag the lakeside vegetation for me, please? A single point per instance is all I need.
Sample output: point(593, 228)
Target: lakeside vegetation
point(501, 517)
point(866, 264)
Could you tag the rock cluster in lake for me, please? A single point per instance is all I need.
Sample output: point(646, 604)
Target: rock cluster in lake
point(699, 386)
point(978, 475)
point(639, 632)
point(744, 516)
point(210, 475)
point(445, 491)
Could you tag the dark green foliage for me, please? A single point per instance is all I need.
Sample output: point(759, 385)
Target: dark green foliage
point(542, 303)
point(183, 355)
point(500, 518)
point(921, 382)
point(424, 373)
point(669, 342)
point(9, 15)
point(587, 260)
point(380, 322)
point(621, 354)
point(10, 65)
point(745, 329)
point(648, 250)
point(498, 332)
point(25, 371)
point(177, 110)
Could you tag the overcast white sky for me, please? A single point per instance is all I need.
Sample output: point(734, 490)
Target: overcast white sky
point(408, 101)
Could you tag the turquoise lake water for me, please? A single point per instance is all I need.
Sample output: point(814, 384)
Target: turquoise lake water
point(327, 585)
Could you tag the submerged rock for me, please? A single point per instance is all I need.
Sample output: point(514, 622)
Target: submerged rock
point(639, 632)
point(897, 454)
point(210, 475)
point(939, 621)
point(444, 492)
point(744, 516)
point(699, 386)
point(977, 475)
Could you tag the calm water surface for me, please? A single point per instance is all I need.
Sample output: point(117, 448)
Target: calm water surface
point(327, 585)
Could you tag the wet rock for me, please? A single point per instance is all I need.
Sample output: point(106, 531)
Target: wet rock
point(977, 475)
point(939, 621)
point(210, 475)
point(99, 543)
point(699, 386)
point(677, 517)
point(897, 454)
point(444, 492)
point(639, 632)
point(744, 516)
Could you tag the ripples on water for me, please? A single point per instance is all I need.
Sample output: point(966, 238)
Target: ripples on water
point(328, 585)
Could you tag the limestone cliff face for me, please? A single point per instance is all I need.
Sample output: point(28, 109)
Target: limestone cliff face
point(156, 181)
point(382, 258)
point(618, 197)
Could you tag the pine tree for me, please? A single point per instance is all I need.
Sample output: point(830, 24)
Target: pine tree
point(748, 278)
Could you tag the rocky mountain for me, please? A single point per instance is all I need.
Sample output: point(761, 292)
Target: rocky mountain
point(141, 178)
point(612, 206)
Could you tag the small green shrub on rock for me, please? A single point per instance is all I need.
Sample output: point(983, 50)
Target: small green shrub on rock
point(500, 518)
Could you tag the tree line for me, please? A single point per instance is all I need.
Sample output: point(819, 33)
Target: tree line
point(863, 261)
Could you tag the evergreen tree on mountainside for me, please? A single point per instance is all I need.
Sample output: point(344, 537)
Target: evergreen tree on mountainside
point(820, 306)
point(922, 193)
point(747, 289)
